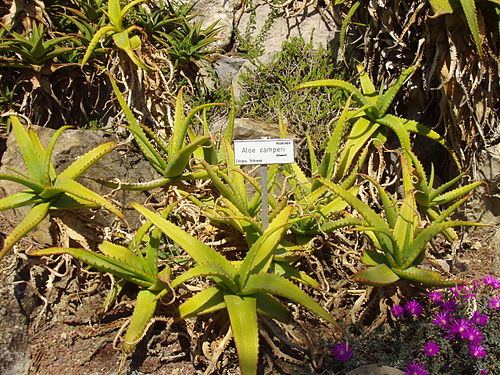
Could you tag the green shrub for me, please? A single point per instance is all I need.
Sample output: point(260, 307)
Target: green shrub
point(267, 89)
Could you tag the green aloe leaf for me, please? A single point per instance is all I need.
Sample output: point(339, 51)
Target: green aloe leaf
point(350, 88)
point(78, 190)
point(378, 275)
point(420, 242)
point(372, 258)
point(83, 163)
point(385, 100)
point(103, 263)
point(205, 302)
point(179, 162)
point(279, 286)
point(258, 258)
point(212, 270)
point(243, 317)
point(144, 310)
point(201, 253)
point(272, 308)
point(121, 253)
point(32, 159)
point(26, 181)
point(427, 277)
point(48, 167)
point(30, 221)
point(21, 199)
point(95, 40)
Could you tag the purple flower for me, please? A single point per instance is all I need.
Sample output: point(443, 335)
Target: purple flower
point(472, 334)
point(435, 297)
point(397, 311)
point(442, 318)
point(459, 326)
point(465, 291)
point(477, 351)
point(479, 319)
point(449, 305)
point(495, 303)
point(431, 348)
point(413, 308)
point(484, 371)
point(342, 351)
point(490, 280)
point(415, 368)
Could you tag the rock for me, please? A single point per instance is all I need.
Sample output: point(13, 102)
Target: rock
point(222, 12)
point(269, 30)
point(122, 163)
point(227, 68)
point(375, 370)
point(14, 347)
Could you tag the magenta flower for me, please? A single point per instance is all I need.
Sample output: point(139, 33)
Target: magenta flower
point(484, 371)
point(435, 297)
point(465, 291)
point(459, 326)
point(415, 368)
point(342, 351)
point(491, 281)
point(442, 318)
point(449, 305)
point(413, 308)
point(495, 303)
point(431, 348)
point(477, 351)
point(473, 335)
point(397, 311)
point(479, 319)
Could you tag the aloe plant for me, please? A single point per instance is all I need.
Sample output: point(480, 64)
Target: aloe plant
point(137, 264)
point(429, 199)
point(47, 190)
point(397, 234)
point(121, 35)
point(245, 289)
point(372, 114)
point(31, 49)
point(168, 157)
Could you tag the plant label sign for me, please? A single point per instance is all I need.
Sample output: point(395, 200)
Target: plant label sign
point(264, 151)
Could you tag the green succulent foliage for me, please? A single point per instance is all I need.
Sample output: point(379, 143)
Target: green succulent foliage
point(121, 35)
point(137, 263)
point(188, 44)
point(45, 189)
point(372, 117)
point(86, 18)
point(245, 289)
point(319, 207)
point(397, 234)
point(430, 199)
point(31, 50)
point(169, 157)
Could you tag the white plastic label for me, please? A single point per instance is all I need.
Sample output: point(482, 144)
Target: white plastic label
point(264, 151)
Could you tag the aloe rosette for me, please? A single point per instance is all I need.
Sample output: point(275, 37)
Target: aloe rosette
point(397, 234)
point(245, 289)
point(45, 189)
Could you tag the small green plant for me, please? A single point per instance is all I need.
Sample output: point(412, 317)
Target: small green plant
point(398, 234)
point(47, 190)
point(372, 118)
point(121, 35)
point(267, 90)
point(245, 289)
point(170, 158)
point(31, 50)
